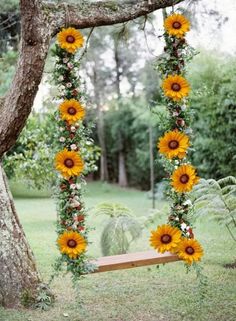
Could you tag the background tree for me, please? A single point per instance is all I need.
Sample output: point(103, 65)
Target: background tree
point(214, 86)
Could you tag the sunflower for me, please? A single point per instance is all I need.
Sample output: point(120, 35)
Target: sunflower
point(175, 87)
point(190, 250)
point(184, 178)
point(71, 110)
point(71, 243)
point(70, 39)
point(173, 144)
point(177, 25)
point(165, 238)
point(69, 163)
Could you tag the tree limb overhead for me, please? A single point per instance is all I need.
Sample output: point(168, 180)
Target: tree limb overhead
point(101, 13)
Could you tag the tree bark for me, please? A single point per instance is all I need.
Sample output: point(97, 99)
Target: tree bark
point(152, 176)
point(101, 134)
point(123, 181)
point(39, 23)
point(17, 264)
point(101, 13)
point(122, 173)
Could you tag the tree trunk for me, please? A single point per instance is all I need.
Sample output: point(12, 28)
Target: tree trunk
point(122, 174)
point(100, 126)
point(152, 177)
point(123, 181)
point(103, 160)
point(19, 275)
point(117, 67)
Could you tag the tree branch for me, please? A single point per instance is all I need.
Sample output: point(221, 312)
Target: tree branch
point(101, 13)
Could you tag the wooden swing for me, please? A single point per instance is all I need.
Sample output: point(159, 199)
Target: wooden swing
point(133, 260)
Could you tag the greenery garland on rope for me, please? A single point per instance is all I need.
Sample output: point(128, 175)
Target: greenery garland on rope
point(177, 235)
point(70, 161)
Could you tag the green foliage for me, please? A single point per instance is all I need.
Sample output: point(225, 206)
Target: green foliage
point(9, 5)
point(218, 200)
point(7, 67)
point(127, 129)
point(121, 229)
point(42, 299)
point(9, 26)
point(213, 81)
point(30, 160)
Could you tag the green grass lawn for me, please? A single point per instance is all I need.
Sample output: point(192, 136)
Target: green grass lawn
point(147, 294)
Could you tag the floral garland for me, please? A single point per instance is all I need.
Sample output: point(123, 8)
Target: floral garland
point(70, 162)
point(177, 235)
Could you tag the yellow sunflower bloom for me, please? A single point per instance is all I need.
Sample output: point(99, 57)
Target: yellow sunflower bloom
point(175, 87)
point(69, 163)
point(184, 178)
point(165, 238)
point(71, 243)
point(174, 144)
point(70, 39)
point(71, 110)
point(190, 250)
point(177, 25)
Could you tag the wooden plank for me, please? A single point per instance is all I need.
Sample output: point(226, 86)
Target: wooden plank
point(132, 260)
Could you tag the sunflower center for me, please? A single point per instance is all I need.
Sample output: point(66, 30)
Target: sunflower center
point(72, 243)
point(189, 250)
point(184, 178)
point(69, 163)
point(166, 238)
point(173, 144)
point(175, 87)
point(176, 25)
point(70, 39)
point(71, 111)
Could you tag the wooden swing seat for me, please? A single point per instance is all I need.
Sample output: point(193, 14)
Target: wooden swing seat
point(132, 260)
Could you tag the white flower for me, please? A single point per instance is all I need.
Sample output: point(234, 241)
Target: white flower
point(65, 60)
point(61, 78)
point(73, 129)
point(74, 226)
point(61, 88)
point(184, 107)
point(188, 234)
point(74, 203)
point(188, 131)
point(69, 85)
point(175, 113)
point(177, 219)
point(73, 186)
point(73, 147)
point(183, 226)
point(61, 129)
point(62, 139)
point(188, 202)
point(89, 143)
point(78, 186)
point(70, 65)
